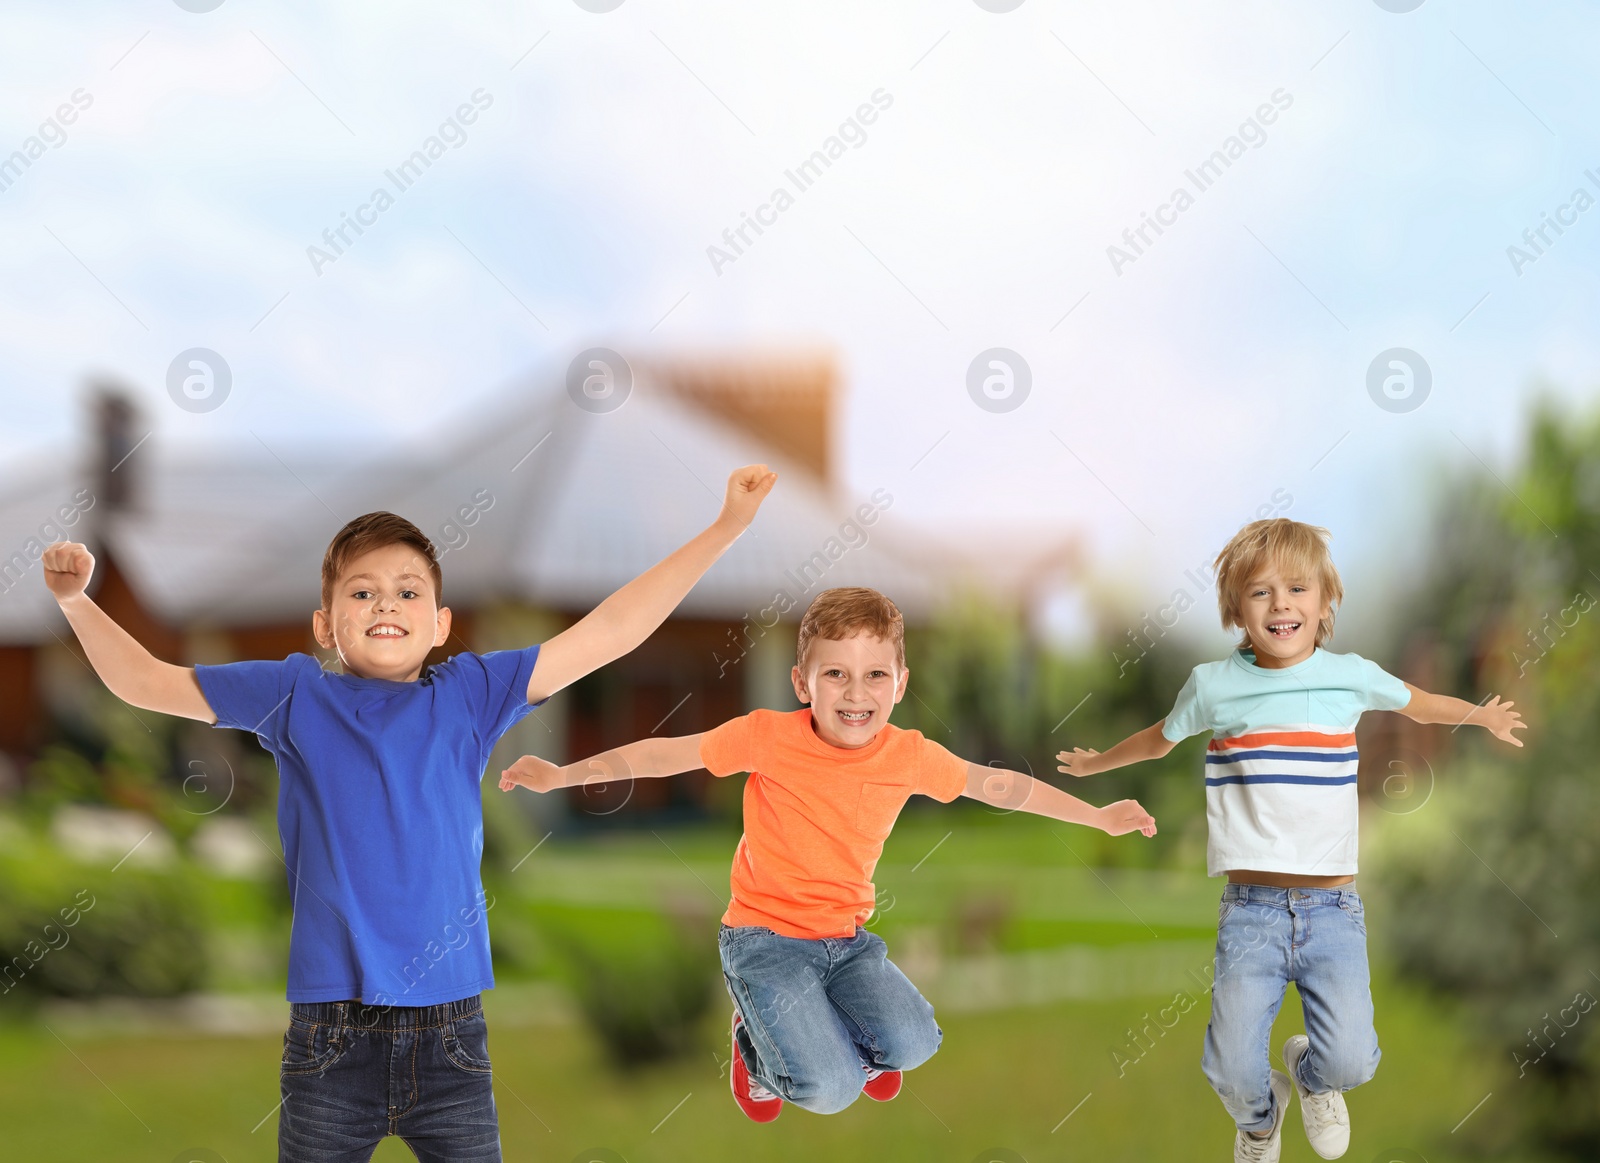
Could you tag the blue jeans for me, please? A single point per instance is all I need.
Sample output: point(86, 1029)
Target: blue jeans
point(1266, 938)
point(353, 1074)
point(816, 1012)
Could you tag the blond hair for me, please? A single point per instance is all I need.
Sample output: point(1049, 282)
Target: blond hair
point(846, 612)
point(1297, 549)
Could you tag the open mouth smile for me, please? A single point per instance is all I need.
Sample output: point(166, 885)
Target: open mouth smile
point(1283, 628)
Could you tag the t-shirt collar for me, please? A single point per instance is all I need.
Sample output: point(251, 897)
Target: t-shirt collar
point(1244, 658)
point(838, 754)
point(383, 683)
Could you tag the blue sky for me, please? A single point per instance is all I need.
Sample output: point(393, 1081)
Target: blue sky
point(1227, 364)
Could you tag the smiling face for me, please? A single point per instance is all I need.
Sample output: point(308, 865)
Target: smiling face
point(1280, 613)
point(852, 684)
point(383, 616)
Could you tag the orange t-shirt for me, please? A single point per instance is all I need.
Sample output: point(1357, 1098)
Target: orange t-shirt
point(816, 816)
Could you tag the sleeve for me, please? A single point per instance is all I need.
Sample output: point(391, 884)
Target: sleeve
point(1383, 692)
point(496, 688)
point(251, 696)
point(730, 748)
point(940, 773)
point(1189, 715)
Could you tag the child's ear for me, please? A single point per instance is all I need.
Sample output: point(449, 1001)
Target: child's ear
point(441, 626)
point(322, 629)
point(900, 687)
point(800, 691)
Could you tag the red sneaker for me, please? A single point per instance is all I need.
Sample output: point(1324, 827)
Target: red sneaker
point(882, 1084)
point(758, 1103)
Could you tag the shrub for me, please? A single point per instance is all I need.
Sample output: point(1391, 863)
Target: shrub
point(642, 980)
point(74, 930)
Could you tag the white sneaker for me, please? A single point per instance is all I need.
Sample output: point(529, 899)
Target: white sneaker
point(1249, 1149)
point(1325, 1116)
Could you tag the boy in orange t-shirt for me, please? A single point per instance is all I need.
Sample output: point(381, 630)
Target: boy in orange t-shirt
point(820, 1012)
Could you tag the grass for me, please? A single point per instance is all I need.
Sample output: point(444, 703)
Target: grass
point(1005, 1079)
point(1041, 1082)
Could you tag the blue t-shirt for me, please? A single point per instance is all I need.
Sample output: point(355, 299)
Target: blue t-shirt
point(1281, 764)
point(381, 816)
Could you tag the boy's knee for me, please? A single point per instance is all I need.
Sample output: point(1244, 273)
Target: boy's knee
point(1345, 1069)
point(910, 1046)
point(824, 1090)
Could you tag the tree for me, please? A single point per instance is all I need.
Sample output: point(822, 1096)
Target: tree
point(1495, 884)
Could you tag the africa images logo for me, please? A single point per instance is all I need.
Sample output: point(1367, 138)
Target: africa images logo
point(999, 380)
point(1399, 380)
point(599, 380)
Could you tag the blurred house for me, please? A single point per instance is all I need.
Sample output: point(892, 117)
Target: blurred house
point(539, 510)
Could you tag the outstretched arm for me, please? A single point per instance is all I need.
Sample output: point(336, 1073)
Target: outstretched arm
point(629, 616)
point(1015, 791)
point(1136, 748)
point(130, 671)
point(1497, 717)
point(639, 760)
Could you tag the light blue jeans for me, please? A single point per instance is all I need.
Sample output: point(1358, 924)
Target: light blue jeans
point(817, 1011)
point(1266, 938)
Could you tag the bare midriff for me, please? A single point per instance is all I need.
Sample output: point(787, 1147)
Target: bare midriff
point(1285, 879)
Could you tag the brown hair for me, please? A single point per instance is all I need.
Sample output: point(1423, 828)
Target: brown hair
point(846, 613)
point(374, 531)
point(1296, 548)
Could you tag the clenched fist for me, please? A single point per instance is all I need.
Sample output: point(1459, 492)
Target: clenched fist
point(747, 488)
point(67, 568)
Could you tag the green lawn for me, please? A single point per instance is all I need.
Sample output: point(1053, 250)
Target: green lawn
point(1004, 1079)
point(1038, 1081)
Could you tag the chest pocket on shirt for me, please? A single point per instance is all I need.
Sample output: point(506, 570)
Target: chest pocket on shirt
point(877, 807)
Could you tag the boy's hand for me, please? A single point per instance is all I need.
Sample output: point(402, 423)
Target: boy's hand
point(533, 773)
point(1126, 816)
point(1501, 720)
point(67, 568)
point(747, 488)
point(1079, 761)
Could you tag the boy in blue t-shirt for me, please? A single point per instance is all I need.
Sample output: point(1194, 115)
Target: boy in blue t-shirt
point(1281, 808)
point(381, 817)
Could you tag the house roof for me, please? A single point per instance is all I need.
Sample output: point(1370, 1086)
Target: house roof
point(570, 506)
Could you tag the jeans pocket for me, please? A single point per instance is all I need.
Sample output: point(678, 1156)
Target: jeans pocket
point(1242, 929)
point(735, 934)
point(466, 1044)
point(310, 1047)
point(1351, 907)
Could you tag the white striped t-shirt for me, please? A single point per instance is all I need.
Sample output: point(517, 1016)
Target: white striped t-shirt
point(1281, 764)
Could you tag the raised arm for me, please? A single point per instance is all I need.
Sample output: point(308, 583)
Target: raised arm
point(1497, 717)
point(1136, 748)
point(130, 671)
point(629, 616)
point(643, 759)
point(1014, 791)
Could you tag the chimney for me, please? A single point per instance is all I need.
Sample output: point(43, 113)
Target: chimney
point(118, 431)
point(785, 401)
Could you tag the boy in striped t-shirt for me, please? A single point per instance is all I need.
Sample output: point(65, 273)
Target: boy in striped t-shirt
point(1282, 810)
